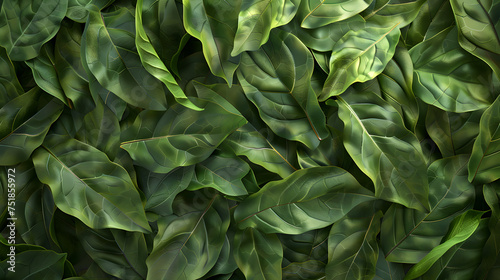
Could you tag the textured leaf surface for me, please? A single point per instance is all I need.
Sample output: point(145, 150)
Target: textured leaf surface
point(317, 13)
point(111, 199)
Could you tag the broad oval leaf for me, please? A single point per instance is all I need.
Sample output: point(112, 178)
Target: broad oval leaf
point(23, 128)
point(483, 164)
point(35, 264)
point(308, 270)
point(353, 247)
point(26, 25)
point(214, 23)
point(112, 58)
point(376, 139)
point(78, 10)
point(448, 77)
point(390, 12)
point(317, 13)
point(408, 235)
point(308, 199)
point(180, 136)
point(118, 253)
point(256, 19)
point(189, 243)
point(479, 26)
point(74, 170)
point(276, 79)
point(153, 64)
point(258, 255)
point(359, 56)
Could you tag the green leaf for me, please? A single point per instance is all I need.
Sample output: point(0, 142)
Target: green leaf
point(491, 250)
point(408, 235)
point(317, 13)
point(23, 128)
point(256, 19)
point(483, 164)
point(308, 270)
point(352, 245)
point(39, 264)
point(10, 87)
point(189, 243)
point(390, 12)
point(359, 56)
point(118, 253)
point(180, 136)
point(461, 229)
point(308, 199)
point(277, 80)
point(26, 25)
point(222, 173)
point(300, 248)
point(388, 270)
point(214, 23)
point(153, 64)
point(161, 189)
point(479, 26)
point(258, 255)
point(111, 55)
point(376, 139)
point(110, 198)
point(78, 10)
point(448, 77)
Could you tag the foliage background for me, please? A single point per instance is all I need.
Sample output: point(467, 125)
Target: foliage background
point(256, 139)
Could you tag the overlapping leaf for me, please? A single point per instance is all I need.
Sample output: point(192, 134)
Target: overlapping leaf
point(317, 13)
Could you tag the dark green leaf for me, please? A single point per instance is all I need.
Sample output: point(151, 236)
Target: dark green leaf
point(40, 264)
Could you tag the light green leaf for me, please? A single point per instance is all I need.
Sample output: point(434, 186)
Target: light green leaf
point(78, 10)
point(189, 243)
point(461, 229)
point(180, 136)
point(376, 139)
point(26, 25)
point(214, 23)
point(74, 170)
point(408, 235)
point(277, 80)
point(256, 19)
point(483, 164)
point(308, 199)
point(153, 64)
point(479, 26)
point(359, 56)
point(317, 13)
point(110, 52)
point(258, 255)
point(24, 122)
point(448, 77)
point(390, 12)
point(118, 253)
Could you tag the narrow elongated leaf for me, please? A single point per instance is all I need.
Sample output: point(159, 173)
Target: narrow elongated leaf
point(258, 255)
point(376, 139)
point(214, 24)
point(153, 64)
point(111, 200)
point(26, 25)
point(112, 58)
point(277, 80)
point(118, 253)
point(22, 128)
point(39, 264)
point(353, 247)
point(188, 244)
point(317, 13)
point(483, 164)
point(461, 229)
point(390, 12)
point(308, 199)
point(180, 136)
point(359, 56)
point(479, 26)
point(256, 19)
point(408, 235)
point(448, 77)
